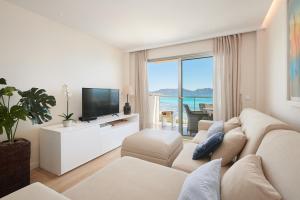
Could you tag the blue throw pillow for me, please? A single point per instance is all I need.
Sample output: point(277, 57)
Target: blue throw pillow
point(217, 126)
point(208, 146)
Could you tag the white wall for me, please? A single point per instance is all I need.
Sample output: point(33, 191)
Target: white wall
point(35, 51)
point(274, 67)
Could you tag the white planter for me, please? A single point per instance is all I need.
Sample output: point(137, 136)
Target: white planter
point(68, 123)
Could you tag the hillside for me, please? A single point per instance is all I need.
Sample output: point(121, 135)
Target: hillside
point(204, 92)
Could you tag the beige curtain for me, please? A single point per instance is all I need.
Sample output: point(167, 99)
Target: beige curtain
point(141, 87)
point(227, 57)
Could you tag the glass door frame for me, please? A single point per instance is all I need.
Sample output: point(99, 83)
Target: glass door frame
point(179, 60)
point(180, 84)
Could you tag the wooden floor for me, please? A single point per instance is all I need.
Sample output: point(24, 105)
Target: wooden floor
point(64, 182)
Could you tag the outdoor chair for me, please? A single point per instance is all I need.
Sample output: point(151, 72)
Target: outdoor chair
point(193, 118)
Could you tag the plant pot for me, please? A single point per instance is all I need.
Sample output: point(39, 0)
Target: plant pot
point(67, 123)
point(14, 166)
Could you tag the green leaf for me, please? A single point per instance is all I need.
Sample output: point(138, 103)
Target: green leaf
point(69, 116)
point(7, 121)
point(18, 112)
point(7, 91)
point(37, 104)
point(63, 116)
point(2, 81)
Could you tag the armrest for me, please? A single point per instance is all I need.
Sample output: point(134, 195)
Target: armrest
point(35, 191)
point(204, 124)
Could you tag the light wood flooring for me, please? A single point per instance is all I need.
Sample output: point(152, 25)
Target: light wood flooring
point(64, 182)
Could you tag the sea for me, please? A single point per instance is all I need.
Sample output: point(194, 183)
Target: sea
point(171, 104)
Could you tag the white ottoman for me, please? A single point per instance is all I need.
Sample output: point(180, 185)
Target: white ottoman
point(157, 146)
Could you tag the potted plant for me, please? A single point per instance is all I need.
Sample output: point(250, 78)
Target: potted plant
point(33, 104)
point(67, 116)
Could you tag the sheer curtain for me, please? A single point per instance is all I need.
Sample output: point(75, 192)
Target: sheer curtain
point(227, 70)
point(139, 64)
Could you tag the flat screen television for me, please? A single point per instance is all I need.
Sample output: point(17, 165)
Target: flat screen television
point(97, 102)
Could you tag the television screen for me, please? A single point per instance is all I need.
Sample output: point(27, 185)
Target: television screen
point(97, 102)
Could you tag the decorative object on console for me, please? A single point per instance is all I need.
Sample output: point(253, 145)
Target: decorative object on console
point(127, 107)
point(33, 104)
point(67, 116)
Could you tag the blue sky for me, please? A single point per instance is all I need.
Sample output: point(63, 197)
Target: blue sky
point(197, 74)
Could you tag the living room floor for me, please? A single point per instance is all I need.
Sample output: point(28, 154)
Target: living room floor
point(64, 182)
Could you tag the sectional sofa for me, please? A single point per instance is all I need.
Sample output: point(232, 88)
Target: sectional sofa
point(130, 178)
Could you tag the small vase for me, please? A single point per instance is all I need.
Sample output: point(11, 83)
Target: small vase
point(127, 109)
point(67, 123)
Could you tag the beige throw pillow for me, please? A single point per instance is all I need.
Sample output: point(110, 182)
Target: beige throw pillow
point(231, 124)
point(245, 180)
point(233, 143)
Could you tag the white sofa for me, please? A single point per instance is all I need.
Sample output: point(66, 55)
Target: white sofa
point(255, 126)
point(131, 178)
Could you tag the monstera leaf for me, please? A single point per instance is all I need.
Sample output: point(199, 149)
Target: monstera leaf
point(37, 105)
point(2, 81)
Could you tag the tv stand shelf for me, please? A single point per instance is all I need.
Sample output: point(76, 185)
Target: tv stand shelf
point(65, 148)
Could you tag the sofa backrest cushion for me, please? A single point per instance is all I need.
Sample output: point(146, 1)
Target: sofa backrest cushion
point(245, 180)
point(232, 145)
point(232, 124)
point(255, 125)
point(280, 153)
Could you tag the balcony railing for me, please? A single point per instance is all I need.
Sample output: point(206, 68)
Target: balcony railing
point(160, 103)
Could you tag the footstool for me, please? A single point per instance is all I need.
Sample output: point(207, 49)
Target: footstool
point(157, 146)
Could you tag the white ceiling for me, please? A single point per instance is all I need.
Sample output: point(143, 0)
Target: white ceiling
point(140, 24)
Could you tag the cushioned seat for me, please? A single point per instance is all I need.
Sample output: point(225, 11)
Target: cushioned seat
point(184, 161)
point(35, 191)
point(130, 178)
point(157, 146)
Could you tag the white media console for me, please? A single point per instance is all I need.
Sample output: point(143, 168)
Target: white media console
point(63, 149)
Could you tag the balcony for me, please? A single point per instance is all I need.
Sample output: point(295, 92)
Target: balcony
point(164, 110)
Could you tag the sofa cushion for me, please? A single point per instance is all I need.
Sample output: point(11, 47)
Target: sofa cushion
point(130, 178)
point(232, 124)
point(245, 180)
point(184, 161)
point(158, 146)
point(35, 191)
point(204, 124)
point(205, 148)
point(200, 137)
point(232, 145)
point(203, 183)
point(216, 127)
point(280, 152)
point(256, 125)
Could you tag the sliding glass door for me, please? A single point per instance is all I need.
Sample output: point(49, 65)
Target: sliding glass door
point(196, 95)
point(180, 92)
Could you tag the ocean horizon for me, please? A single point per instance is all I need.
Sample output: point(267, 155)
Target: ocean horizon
point(171, 104)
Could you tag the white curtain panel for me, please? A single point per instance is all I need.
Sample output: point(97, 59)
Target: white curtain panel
point(141, 87)
point(227, 74)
